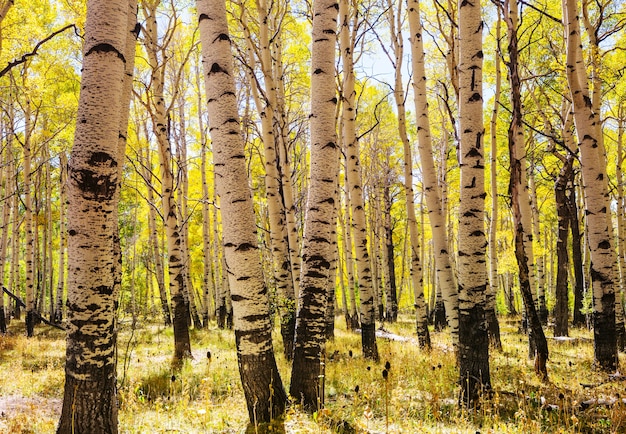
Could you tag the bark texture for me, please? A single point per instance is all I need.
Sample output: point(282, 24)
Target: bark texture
point(444, 271)
point(316, 251)
point(354, 181)
point(265, 396)
point(595, 187)
point(473, 338)
point(90, 400)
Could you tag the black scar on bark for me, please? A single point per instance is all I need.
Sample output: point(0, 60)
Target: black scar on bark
point(222, 37)
point(215, 68)
point(320, 260)
point(604, 245)
point(244, 247)
point(105, 48)
point(473, 153)
point(203, 17)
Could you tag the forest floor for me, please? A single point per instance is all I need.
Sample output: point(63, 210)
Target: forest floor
point(419, 395)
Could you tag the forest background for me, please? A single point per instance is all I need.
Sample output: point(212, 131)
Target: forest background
point(41, 85)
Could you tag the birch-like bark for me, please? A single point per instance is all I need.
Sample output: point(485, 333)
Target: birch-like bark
point(90, 401)
point(154, 240)
point(4, 239)
point(265, 396)
point(561, 187)
point(208, 280)
point(492, 319)
point(593, 28)
point(29, 251)
point(520, 200)
point(159, 117)
point(444, 270)
point(621, 203)
point(354, 182)
point(596, 193)
point(316, 250)
point(354, 319)
point(473, 353)
point(279, 242)
point(58, 310)
point(394, 20)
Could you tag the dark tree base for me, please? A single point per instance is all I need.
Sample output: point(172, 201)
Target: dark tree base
point(3, 322)
point(368, 340)
point(354, 322)
point(305, 388)
point(288, 331)
point(439, 314)
point(221, 317)
point(423, 335)
point(30, 323)
point(473, 356)
point(266, 398)
point(89, 406)
point(182, 345)
point(493, 329)
point(605, 337)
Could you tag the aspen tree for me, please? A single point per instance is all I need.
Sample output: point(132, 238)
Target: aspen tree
point(444, 271)
point(28, 220)
point(520, 199)
point(596, 195)
point(90, 401)
point(279, 241)
point(262, 385)
point(492, 320)
point(159, 115)
point(354, 182)
point(473, 353)
point(394, 19)
point(4, 238)
point(154, 244)
point(596, 36)
point(316, 254)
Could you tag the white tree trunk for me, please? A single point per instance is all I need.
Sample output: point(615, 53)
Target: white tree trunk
point(596, 194)
point(444, 270)
point(265, 396)
point(90, 402)
point(472, 279)
point(354, 182)
point(316, 251)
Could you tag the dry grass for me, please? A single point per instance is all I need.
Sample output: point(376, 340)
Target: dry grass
point(418, 395)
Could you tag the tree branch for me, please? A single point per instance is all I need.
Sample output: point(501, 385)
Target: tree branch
point(26, 56)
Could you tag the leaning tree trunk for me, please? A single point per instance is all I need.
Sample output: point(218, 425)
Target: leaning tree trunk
point(473, 355)
point(444, 271)
point(354, 319)
point(279, 241)
point(492, 319)
point(156, 102)
point(154, 244)
point(354, 182)
point(596, 191)
point(520, 200)
point(316, 253)
point(90, 401)
point(265, 396)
